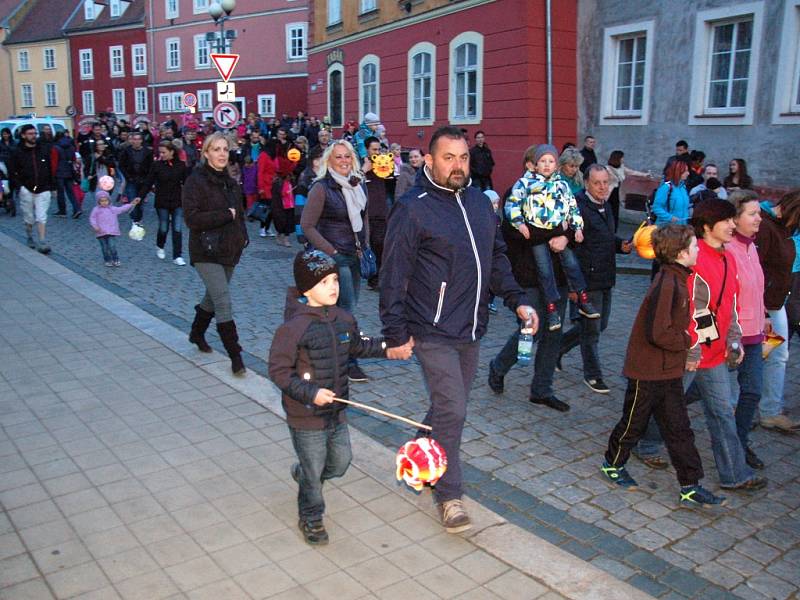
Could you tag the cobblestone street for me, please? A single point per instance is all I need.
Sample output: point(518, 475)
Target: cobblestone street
point(537, 468)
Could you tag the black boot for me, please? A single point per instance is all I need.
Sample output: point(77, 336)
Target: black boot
point(202, 319)
point(230, 339)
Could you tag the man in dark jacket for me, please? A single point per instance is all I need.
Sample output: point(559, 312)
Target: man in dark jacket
point(32, 172)
point(65, 174)
point(587, 152)
point(442, 256)
point(481, 163)
point(87, 145)
point(135, 163)
point(597, 257)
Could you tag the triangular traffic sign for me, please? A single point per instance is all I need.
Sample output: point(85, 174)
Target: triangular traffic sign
point(225, 64)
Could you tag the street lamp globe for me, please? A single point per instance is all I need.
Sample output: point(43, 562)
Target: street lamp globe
point(228, 6)
point(215, 10)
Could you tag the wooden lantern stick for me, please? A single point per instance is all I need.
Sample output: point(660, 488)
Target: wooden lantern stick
point(384, 413)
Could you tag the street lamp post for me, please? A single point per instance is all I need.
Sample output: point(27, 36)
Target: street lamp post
point(221, 12)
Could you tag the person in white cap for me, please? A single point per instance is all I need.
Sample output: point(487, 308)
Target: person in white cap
point(367, 129)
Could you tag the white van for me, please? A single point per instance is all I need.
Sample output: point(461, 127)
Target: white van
point(17, 121)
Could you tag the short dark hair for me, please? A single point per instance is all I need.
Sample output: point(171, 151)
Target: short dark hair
point(448, 131)
point(369, 140)
point(713, 184)
point(670, 240)
point(588, 137)
point(697, 155)
point(480, 132)
point(25, 128)
point(682, 143)
point(710, 212)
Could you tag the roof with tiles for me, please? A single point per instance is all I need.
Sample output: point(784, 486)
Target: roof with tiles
point(45, 21)
point(132, 14)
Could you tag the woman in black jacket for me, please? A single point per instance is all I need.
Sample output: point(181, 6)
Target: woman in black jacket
point(212, 207)
point(101, 162)
point(167, 175)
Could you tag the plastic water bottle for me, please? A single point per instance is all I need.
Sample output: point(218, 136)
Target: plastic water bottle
point(525, 344)
point(733, 355)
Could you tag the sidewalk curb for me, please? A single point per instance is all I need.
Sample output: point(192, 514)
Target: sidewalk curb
point(539, 559)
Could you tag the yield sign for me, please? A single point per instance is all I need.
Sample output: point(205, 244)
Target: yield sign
point(225, 64)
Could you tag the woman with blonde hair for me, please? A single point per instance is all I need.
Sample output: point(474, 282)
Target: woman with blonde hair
point(569, 167)
point(212, 207)
point(334, 221)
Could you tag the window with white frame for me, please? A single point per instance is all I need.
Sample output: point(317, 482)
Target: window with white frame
point(201, 58)
point(205, 99)
point(140, 100)
point(173, 54)
point(49, 58)
point(421, 88)
point(88, 10)
point(139, 59)
point(23, 60)
point(171, 9)
point(786, 109)
point(27, 95)
point(200, 6)
point(367, 6)
point(87, 98)
point(336, 94)
point(50, 94)
point(116, 61)
point(266, 105)
point(87, 63)
point(118, 101)
point(368, 85)
point(466, 78)
point(726, 52)
point(626, 72)
point(177, 102)
point(115, 8)
point(334, 12)
point(296, 41)
point(164, 103)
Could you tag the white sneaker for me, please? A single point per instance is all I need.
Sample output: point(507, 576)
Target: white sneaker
point(160, 253)
point(262, 232)
point(179, 261)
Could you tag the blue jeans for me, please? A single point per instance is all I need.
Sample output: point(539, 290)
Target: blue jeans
point(108, 246)
point(65, 192)
point(749, 375)
point(131, 192)
point(349, 280)
point(775, 368)
point(714, 388)
point(175, 216)
point(587, 334)
point(547, 347)
point(547, 277)
point(323, 454)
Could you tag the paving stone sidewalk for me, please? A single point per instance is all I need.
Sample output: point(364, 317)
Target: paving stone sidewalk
point(537, 468)
point(129, 471)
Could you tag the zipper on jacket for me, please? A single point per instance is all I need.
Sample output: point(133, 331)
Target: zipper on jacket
point(477, 265)
point(335, 354)
point(440, 304)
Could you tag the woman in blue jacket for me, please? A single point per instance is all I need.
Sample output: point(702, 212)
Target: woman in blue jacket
point(671, 204)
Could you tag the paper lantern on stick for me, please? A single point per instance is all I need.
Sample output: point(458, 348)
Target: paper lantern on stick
point(106, 183)
point(421, 461)
point(643, 241)
point(293, 155)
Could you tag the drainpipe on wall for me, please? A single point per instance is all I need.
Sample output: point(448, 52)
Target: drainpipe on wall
point(9, 56)
point(549, 47)
point(151, 67)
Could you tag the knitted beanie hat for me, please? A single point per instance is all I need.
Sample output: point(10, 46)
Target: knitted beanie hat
point(543, 149)
point(311, 267)
point(371, 119)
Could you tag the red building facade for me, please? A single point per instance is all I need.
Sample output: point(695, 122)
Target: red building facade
point(476, 64)
point(271, 39)
point(109, 60)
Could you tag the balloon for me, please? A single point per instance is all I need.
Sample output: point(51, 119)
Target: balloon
point(106, 183)
point(643, 241)
point(293, 155)
point(421, 461)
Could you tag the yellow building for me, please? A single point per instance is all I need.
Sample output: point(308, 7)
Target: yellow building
point(39, 61)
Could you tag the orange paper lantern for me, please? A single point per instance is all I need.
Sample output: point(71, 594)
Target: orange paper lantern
point(643, 241)
point(293, 155)
point(421, 461)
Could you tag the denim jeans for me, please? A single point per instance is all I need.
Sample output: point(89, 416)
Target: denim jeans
point(323, 454)
point(108, 246)
point(547, 277)
point(587, 334)
point(775, 368)
point(548, 345)
point(165, 216)
point(749, 375)
point(131, 192)
point(349, 280)
point(448, 371)
point(65, 192)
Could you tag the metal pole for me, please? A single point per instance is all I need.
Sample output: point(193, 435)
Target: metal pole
point(222, 43)
point(549, 49)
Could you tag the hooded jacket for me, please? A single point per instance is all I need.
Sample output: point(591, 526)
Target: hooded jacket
point(33, 168)
point(777, 254)
point(65, 151)
point(310, 351)
point(442, 255)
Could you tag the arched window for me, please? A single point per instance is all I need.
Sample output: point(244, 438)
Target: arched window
point(422, 84)
point(369, 69)
point(336, 94)
point(466, 78)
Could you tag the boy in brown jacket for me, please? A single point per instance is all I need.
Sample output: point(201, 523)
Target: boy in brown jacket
point(308, 362)
point(654, 365)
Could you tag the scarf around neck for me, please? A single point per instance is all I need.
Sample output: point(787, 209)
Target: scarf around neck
point(354, 198)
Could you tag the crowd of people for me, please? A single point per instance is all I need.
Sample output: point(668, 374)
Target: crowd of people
point(441, 244)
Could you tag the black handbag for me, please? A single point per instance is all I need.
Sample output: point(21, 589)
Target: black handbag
point(258, 212)
point(211, 241)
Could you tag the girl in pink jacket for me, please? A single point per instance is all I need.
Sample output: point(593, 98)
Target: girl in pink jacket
point(104, 219)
